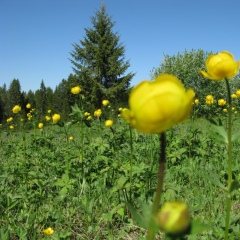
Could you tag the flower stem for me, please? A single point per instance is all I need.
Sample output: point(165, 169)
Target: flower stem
point(131, 162)
point(162, 161)
point(229, 152)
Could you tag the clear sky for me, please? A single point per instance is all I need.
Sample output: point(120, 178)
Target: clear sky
point(36, 36)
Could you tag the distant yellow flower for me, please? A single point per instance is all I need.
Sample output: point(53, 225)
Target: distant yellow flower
point(86, 114)
point(47, 118)
point(157, 105)
point(98, 113)
point(225, 110)
point(76, 90)
point(40, 125)
point(28, 106)
point(105, 103)
point(11, 127)
point(56, 117)
point(120, 109)
point(196, 101)
point(108, 123)
point(233, 108)
point(119, 115)
point(70, 138)
point(49, 111)
point(209, 99)
point(220, 66)
point(48, 231)
point(174, 217)
point(235, 112)
point(238, 93)
point(89, 117)
point(233, 95)
point(221, 102)
point(9, 119)
point(22, 120)
point(16, 109)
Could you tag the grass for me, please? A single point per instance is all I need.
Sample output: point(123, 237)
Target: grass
point(80, 188)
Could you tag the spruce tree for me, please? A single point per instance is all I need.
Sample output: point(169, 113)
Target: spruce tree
point(99, 62)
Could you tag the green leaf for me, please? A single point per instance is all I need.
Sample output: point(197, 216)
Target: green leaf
point(198, 227)
point(234, 186)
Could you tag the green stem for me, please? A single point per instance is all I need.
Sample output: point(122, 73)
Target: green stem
point(162, 161)
point(131, 162)
point(229, 151)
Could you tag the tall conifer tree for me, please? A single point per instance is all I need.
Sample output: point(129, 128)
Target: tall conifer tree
point(99, 62)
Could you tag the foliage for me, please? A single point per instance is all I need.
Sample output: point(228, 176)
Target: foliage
point(99, 62)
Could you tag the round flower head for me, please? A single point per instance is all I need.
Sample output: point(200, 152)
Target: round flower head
point(11, 127)
point(196, 101)
point(238, 93)
point(76, 90)
point(40, 125)
point(157, 105)
point(221, 102)
point(70, 138)
point(28, 106)
point(174, 217)
point(105, 103)
point(16, 109)
point(108, 123)
point(48, 231)
point(56, 117)
point(220, 66)
point(97, 113)
point(10, 119)
point(209, 99)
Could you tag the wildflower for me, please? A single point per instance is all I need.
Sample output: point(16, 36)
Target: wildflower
point(49, 111)
point(196, 101)
point(47, 118)
point(16, 109)
point(89, 117)
point(225, 110)
point(220, 66)
point(98, 113)
point(76, 90)
point(233, 95)
point(235, 112)
point(11, 127)
point(119, 115)
point(48, 231)
point(209, 99)
point(233, 108)
point(221, 102)
point(238, 93)
point(22, 120)
point(56, 117)
point(9, 119)
point(174, 217)
point(70, 138)
point(105, 103)
point(120, 109)
point(86, 114)
point(28, 106)
point(40, 125)
point(157, 105)
point(108, 123)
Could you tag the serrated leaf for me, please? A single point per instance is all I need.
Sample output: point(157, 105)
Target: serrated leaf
point(234, 186)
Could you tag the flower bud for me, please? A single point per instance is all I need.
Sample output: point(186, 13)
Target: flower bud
point(174, 218)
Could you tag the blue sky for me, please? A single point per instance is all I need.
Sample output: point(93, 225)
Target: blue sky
point(37, 35)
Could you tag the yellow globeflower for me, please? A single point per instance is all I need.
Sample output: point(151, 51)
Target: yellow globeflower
point(209, 99)
point(16, 109)
point(157, 105)
point(40, 125)
point(238, 93)
point(98, 113)
point(89, 117)
point(11, 127)
point(86, 114)
point(221, 102)
point(48, 231)
point(76, 90)
point(56, 117)
point(70, 138)
point(49, 111)
point(105, 103)
point(233, 95)
point(196, 101)
point(174, 217)
point(220, 66)
point(108, 123)
point(225, 110)
point(9, 119)
point(47, 118)
point(28, 106)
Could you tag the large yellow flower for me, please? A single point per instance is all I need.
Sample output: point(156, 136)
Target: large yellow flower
point(108, 123)
point(28, 106)
point(105, 103)
point(56, 117)
point(157, 105)
point(40, 125)
point(76, 90)
point(220, 66)
point(16, 109)
point(221, 102)
point(97, 113)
